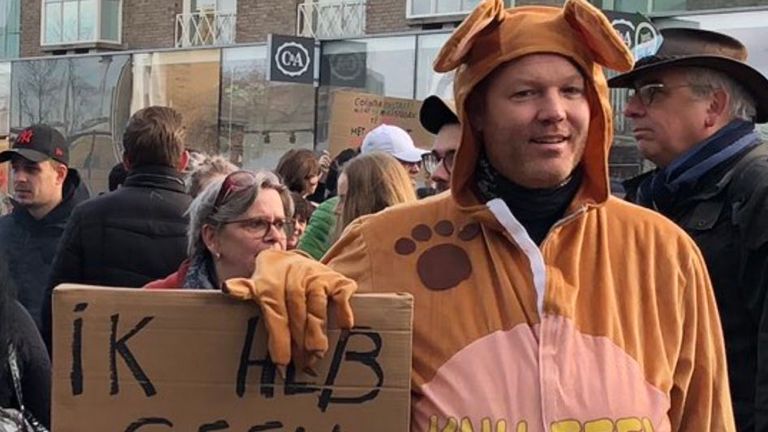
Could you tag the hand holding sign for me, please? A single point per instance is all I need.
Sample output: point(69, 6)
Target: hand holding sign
point(293, 293)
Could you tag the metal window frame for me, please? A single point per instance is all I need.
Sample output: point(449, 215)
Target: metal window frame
point(97, 30)
point(459, 14)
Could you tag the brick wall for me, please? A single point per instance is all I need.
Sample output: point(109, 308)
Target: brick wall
point(257, 18)
point(150, 23)
point(386, 16)
point(30, 28)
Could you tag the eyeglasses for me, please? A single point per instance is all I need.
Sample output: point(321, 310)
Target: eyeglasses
point(433, 160)
point(259, 227)
point(409, 165)
point(647, 93)
point(233, 183)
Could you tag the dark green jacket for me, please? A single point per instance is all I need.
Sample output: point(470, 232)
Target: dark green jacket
point(317, 239)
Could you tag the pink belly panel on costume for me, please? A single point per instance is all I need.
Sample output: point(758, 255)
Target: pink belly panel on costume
point(546, 378)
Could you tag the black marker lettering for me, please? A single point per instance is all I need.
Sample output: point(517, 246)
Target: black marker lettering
point(266, 426)
point(268, 371)
point(218, 425)
point(76, 375)
point(366, 358)
point(133, 427)
point(119, 346)
point(293, 387)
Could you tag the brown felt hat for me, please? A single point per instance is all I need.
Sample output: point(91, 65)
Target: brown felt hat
point(687, 47)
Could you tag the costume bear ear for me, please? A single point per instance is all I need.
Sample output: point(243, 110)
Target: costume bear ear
point(487, 15)
point(599, 35)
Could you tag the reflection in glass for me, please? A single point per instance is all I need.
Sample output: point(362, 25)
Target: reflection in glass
point(261, 120)
point(5, 97)
point(84, 98)
point(110, 20)
point(429, 82)
point(669, 5)
point(87, 21)
point(468, 5)
point(632, 6)
point(9, 28)
point(448, 6)
point(389, 62)
point(52, 23)
point(389, 65)
point(188, 81)
point(421, 7)
point(69, 21)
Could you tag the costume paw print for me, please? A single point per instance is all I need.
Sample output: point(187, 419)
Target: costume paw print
point(444, 265)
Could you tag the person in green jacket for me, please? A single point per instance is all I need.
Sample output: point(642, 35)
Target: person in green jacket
point(317, 239)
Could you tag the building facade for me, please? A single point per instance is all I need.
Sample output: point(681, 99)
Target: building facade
point(84, 66)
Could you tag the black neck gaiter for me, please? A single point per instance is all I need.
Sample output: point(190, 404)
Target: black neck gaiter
point(536, 209)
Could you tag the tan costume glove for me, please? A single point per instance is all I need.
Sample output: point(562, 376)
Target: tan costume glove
point(293, 292)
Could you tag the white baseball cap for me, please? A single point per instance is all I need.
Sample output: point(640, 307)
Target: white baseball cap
point(393, 140)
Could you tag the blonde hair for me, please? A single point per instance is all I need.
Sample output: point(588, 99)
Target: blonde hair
point(375, 181)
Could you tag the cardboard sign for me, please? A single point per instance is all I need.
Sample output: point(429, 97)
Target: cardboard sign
point(150, 361)
point(354, 114)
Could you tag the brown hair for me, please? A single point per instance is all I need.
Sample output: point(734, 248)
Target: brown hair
point(302, 209)
point(154, 136)
point(296, 166)
point(375, 181)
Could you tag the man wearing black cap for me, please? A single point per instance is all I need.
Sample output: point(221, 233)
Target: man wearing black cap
point(693, 106)
point(45, 191)
point(439, 118)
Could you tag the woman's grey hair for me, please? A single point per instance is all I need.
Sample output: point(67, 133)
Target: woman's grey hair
point(204, 169)
point(201, 211)
point(704, 80)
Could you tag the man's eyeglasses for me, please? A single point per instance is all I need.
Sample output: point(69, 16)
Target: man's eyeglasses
point(233, 184)
point(432, 161)
point(647, 92)
point(259, 227)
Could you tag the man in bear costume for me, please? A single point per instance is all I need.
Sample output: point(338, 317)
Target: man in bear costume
point(541, 302)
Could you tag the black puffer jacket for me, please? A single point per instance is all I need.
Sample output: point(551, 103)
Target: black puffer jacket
point(125, 238)
point(30, 244)
point(727, 216)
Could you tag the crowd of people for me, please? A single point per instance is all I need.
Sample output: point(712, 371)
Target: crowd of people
point(540, 298)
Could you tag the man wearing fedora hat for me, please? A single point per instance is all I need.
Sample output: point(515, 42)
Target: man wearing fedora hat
point(45, 192)
point(693, 107)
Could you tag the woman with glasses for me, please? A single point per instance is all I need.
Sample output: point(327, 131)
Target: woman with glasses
point(231, 222)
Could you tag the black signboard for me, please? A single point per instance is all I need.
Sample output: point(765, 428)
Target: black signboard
point(637, 31)
point(344, 65)
point(291, 59)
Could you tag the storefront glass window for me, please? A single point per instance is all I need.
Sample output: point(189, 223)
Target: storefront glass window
point(187, 81)
point(85, 98)
point(261, 120)
point(429, 82)
point(383, 66)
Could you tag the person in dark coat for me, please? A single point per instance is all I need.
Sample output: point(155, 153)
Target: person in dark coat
point(17, 329)
point(693, 107)
point(45, 193)
point(137, 233)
